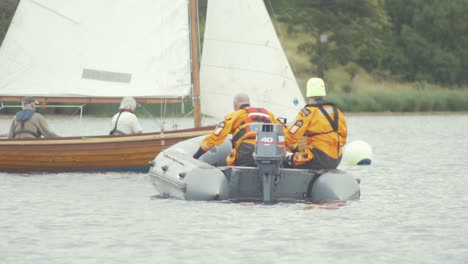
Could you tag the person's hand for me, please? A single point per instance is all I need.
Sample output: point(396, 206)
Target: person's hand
point(287, 161)
point(199, 153)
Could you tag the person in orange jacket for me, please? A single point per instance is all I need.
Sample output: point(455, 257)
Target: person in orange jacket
point(323, 126)
point(242, 124)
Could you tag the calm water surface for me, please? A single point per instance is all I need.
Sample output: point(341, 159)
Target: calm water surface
point(413, 209)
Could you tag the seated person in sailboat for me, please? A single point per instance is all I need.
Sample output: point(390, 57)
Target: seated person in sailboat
point(323, 127)
point(125, 121)
point(28, 123)
point(242, 124)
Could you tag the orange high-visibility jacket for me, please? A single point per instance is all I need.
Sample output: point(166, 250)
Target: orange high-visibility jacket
point(324, 127)
point(241, 124)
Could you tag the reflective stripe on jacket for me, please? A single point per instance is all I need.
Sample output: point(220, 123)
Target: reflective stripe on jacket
point(324, 128)
point(248, 128)
point(238, 123)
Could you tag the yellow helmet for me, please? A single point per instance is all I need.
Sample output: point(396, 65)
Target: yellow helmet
point(315, 87)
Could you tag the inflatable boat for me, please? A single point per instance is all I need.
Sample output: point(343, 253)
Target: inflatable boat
point(174, 173)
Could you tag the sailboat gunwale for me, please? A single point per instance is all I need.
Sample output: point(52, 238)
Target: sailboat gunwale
point(89, 153)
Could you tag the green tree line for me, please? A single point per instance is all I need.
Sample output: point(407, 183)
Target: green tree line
point(407, 40)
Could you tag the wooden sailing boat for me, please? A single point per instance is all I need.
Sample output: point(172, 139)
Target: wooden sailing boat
point(98, 52)
point(121, 49)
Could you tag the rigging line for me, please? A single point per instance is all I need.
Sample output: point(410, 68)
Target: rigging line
point(189, 113)
point(56, 12)
point(165, 107)
point(80, 109)
point(163, 114)
point(276, 26)
point(152, 117)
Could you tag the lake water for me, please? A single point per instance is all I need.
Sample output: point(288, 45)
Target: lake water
point(413, 208)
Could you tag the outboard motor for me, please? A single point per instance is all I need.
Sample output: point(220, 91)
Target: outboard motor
point(269, 154)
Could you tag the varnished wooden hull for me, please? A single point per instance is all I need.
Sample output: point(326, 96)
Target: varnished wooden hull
point(95, 153)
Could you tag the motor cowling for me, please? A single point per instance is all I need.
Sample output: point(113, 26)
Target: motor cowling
point(269, 154)
point(270, 144)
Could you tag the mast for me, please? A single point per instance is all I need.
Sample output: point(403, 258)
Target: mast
point(195, 65)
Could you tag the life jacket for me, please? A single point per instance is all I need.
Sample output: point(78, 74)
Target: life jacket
point(248, 128)
point(23, 130)
point(115, 131)
point(21, 118)
point(324, 144)
point(333, 122)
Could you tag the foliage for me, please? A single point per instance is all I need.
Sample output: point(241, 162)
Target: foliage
point(7, 9)
point(402, 101)
point(428, 41)
point(352, 69)
point(413, 40)
point(341, 31)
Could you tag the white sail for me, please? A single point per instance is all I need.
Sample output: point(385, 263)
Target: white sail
point(97, 48)
point(242, 53)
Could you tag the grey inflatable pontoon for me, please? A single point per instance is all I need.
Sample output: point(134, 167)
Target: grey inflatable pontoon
point(174, 173)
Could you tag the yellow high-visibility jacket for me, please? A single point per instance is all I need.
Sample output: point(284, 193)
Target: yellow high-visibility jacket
point(324, 127)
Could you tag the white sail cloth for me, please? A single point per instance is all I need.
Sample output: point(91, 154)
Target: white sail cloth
point(98, 48)
point(242, 53)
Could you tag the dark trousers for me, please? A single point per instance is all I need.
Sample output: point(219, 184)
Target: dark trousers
point(245, 155)
point(320, 161)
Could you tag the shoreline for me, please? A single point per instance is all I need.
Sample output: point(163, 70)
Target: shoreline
point(386, 113)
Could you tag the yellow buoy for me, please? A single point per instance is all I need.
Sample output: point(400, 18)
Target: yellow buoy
point(358, 152)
